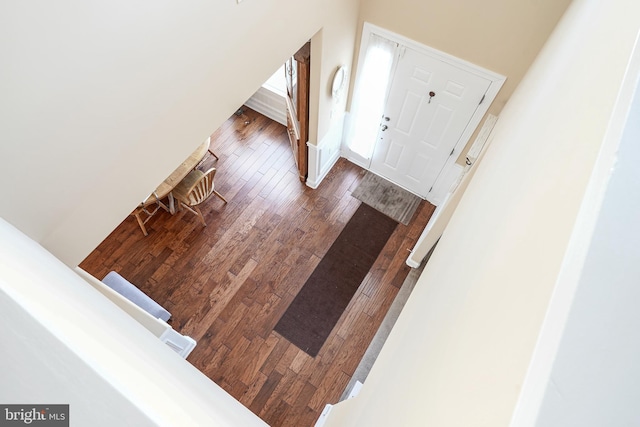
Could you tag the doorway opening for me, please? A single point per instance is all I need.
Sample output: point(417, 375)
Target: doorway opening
point(285, 99)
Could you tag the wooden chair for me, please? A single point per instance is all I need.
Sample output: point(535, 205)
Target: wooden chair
point(194, 189)
point(143, 208)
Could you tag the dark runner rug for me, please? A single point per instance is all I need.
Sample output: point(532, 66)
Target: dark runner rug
point(316, 309)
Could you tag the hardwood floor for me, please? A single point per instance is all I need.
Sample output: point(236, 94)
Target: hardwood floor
point(228, 283)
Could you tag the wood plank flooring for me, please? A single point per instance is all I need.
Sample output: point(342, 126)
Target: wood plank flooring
point(228, 283)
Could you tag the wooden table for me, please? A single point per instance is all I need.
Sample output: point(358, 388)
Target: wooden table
point(164, 189)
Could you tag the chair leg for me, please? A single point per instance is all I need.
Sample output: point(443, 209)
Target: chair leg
point(220, 195)
point(141, 223)
point(200, 215)
point(196, 211)
point(213, 154)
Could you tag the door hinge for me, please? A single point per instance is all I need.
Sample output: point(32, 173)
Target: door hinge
point(482, 99)
point(430, 189)
point(451, 153)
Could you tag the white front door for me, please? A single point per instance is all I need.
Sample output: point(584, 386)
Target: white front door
point(430, 104)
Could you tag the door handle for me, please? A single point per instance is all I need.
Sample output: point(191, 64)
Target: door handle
point(384, 127)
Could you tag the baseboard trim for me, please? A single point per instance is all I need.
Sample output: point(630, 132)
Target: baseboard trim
point(323, 416)
point(323, 157)
point(270, 104)
point(315, 181)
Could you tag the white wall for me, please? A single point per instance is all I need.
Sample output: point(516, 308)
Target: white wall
point(595, 379)
point(584, 369)
point(101, 101)
point(63, 342)
point(460, 350)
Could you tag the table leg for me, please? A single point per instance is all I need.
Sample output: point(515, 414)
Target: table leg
point(172, 204)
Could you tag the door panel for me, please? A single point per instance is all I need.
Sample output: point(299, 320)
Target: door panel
point(393, 155)
point(408, 113)
point(422, 130)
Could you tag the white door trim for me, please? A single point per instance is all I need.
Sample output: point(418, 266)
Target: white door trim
point(446, 177)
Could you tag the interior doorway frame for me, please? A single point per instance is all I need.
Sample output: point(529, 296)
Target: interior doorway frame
point(449, 173)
